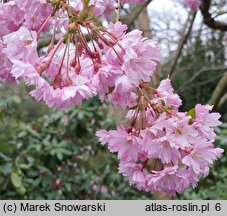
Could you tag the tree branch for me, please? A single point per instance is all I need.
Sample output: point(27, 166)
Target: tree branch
point(208, 19)
point(220, 90)
point(183, 40)
point(130, 18)
point(186, 85)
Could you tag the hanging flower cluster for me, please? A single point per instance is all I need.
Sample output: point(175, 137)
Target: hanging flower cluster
point(162, 148)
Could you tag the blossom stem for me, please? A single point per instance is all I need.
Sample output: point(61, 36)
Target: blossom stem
point(54, 33)
point(58, 78)
point(113, 38)
point(43, 25)
point(118, 10)
point(68, 79)
point(45, 65)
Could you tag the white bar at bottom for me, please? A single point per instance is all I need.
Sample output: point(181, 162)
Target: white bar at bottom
point(113, 207)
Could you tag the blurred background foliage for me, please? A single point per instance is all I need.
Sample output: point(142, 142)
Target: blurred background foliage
point(202, 60)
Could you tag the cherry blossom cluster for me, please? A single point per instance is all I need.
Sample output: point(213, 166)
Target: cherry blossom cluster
point(163, 149)
point(87, 60)
point(192, 4)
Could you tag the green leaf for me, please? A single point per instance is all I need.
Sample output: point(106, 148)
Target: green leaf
point(16, 180)
point(22, 134)
point(191, 113)
point(24, 166)
point(6, 168)
point(163, 103)
point(21, 190)
point(4, 157)
point(6, 148)
point(59, 156)
point(16, 99)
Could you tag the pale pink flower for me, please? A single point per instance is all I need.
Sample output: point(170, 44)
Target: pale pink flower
point(134, 173)
point(192, 4)
point(120, 141)
point(166, 180)
point(14, 21)
point(21, 45)
point(180, 132)
point(202, 155)
point(165, 93)
point(35, 13)
point(6, 65)
point(205, 121)
point(204, 118)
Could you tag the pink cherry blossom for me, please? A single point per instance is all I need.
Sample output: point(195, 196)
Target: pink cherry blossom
point(204, 118)
point(6, 65)
point(14, 21)
point(202, 155)
point(165, 93)
point(204, 121)
point(121, 142)
point(35, 13)
point(166, 180)
point(21, 45)
point(192, 4)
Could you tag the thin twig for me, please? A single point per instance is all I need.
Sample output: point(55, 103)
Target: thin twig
point(118, 10)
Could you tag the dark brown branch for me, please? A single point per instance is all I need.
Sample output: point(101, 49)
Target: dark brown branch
point(208, 19)
point(203, 70)
point(183, 40)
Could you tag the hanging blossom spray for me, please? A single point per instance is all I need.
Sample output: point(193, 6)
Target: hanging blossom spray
point(161, 148)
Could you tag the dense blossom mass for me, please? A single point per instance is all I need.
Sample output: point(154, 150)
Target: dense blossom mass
point(162, 148)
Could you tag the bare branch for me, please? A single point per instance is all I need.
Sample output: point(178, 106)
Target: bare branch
point(130, 18)
point(192, 79)
point(208, 19)
point(183, 40)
